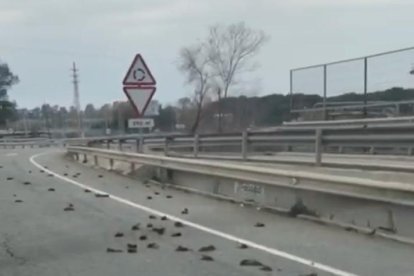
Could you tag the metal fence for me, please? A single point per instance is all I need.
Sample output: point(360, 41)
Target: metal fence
point(358, 78)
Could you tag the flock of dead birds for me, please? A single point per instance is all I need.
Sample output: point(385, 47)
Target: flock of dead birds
point(133, 247)
point(204, 250)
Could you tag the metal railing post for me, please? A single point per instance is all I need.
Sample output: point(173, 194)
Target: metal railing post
point(325, 112)
point(318, 147)
point(244, 144)
point(120, 144)
point(196, 145)
point(365, 111)
point(166, 144)
point(108, 144)
point(141, 145)
point(132, 167)
point(95, 159)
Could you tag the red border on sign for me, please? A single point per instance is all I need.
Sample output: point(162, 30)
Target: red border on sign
point(149, 90)
point(137, 57)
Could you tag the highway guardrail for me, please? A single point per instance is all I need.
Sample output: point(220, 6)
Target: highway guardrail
point(391, 192)
point(367, 140)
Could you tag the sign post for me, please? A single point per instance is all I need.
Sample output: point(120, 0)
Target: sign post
point(139, 85)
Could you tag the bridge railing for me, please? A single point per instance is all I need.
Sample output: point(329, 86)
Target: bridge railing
point(395, 140)
point(378, 139)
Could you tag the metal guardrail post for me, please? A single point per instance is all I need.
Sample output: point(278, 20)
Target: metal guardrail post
point(166, 142)
point(391, 221)
point(120, 144)
point(244, 144)
point(318, 147)
point(85, 159)
point(137, 144)
point(140, 145)
point(325, 112)
point(108, 144)
point(196, 145)
point(95, 159)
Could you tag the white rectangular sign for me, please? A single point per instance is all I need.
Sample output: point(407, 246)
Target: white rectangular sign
point(141, 123)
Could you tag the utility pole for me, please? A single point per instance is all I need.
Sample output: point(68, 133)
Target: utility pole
point(76, 100)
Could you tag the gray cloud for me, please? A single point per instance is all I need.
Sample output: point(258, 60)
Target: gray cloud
point(40, 39)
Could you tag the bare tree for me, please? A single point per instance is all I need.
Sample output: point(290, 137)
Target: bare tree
point(194, 64)
point(230, 50)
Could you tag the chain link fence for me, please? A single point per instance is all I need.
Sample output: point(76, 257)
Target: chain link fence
point(379, 85)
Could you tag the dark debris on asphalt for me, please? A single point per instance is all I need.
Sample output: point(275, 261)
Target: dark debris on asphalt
point(113, 250)
point(101, 195)
point(207, 248)
point(206, 258)
point(135, 227)
point(158, 230)
point(153, 245)
point(250, 262)
point(70, 207)
point(259, 224)
point(178, 224)
point(181, 248)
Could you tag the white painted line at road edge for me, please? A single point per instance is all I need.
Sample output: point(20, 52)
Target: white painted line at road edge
point(200, 227)
point(11, 154)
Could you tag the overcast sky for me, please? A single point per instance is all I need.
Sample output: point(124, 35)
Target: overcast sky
point(40, 40)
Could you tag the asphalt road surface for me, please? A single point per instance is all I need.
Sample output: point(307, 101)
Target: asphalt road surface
point(59, 229)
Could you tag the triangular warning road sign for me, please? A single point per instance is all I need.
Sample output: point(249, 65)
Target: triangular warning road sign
point(139, 97)
point(138, 73)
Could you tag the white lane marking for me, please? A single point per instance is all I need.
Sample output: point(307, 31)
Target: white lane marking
point(272, 251)
point(11, 154)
